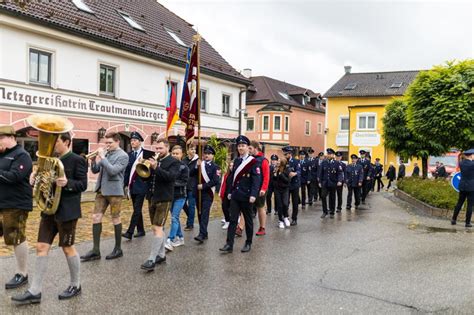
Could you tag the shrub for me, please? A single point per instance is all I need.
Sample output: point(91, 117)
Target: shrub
point(437, 193)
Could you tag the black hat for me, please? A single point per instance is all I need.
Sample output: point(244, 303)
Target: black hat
point(321, 154)
point(330, 151)
point(302, 152)
point(354, 156)
point(338, 153)
point(136, 135)
point(274, 157)
point(469, 152)
point(362, 152)
point(209, 150)
point(310, 151)
point(242, 140)
point(287, 149)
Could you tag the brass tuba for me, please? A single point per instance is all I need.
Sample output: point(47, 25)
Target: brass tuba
point(143, 167)
point(46, 193)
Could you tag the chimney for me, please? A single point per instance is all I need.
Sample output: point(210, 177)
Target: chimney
point(347, 69)
point(247, 73)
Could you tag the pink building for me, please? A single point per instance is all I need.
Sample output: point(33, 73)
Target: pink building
point(281, 114)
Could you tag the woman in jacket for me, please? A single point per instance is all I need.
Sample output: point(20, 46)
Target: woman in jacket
point(391, 175)
point(466, 187)
point(281, 186)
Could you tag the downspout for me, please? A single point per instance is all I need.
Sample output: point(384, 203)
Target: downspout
point(349, 136)
point(242, 91)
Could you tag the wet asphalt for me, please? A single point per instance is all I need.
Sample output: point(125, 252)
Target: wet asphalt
point(380, 259)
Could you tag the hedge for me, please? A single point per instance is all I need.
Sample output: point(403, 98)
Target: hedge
point(437, 193)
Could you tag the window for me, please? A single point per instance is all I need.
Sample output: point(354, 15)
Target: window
point(40, 67)
point(287, 124)
point(266, 123)
point(131, 21)
point(284, 95)
point(250, 124)
point(175, 37)
point(225, 104)
point(350, 86)
point(203, 100)
point(276, 123)
point(320, 128)
point(107, 80)
point(307, 127)
point(175, 87)
point(344, 124)
point(82, 6)
point(396, 85)
point(366, 122)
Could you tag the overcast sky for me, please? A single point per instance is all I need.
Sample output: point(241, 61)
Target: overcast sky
point(307, 43)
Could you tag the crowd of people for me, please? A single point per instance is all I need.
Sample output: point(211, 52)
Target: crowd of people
point(176, 180)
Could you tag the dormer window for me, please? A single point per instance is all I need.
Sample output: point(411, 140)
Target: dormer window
point(82, 6)
point(131, 21)
point(176, 38)
point(350, 86)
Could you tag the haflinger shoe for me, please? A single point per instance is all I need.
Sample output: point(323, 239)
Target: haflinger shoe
point(226, 249)
point(70, 292)
point(91, 255)
point(139, 234)
point(26, 298)
point(148, 265)
point(127, 235)
point(160, 260)
point(247, 247)
point(17, 281)
point(116, 253)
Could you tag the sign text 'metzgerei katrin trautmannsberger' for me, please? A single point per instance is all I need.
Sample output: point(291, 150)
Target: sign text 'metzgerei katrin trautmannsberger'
point(53, 101)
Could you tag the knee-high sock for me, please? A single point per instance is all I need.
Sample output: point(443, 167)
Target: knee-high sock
point(41, 265)
point(21, 255)
point(155, 247)
point(118, 235)
point(74, 263)
point(162, 251)
point(96, 231)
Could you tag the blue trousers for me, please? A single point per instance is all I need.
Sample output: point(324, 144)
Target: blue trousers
point(175, 229)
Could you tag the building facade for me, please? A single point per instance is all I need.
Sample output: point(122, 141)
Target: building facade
point(355, 107)
point(280, 114)
point(106, 66)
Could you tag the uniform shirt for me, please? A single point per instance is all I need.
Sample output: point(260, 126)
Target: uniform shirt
point(313, 172)
point(354, 175)
point(365, 166)
point(330, 173)
point(467, 175)
point(295, 166)
point(207, 187)
point(305, 170)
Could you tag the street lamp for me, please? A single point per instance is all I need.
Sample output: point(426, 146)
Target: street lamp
point(154, 137)
point(101, 133)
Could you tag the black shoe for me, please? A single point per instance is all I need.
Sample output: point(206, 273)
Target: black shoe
point(468, 225)
point(357, 207)
point(189, 228)
point(331, 216)
point(17, 281)
point(200, 239)
point(323, 215)
point(116, 253)
point(293, 223)
point(139, 234)
point(127, 235)
point(70, 292)
point(453, 222)
point(310, 204)
point(91, 255)
point(227, 249)
point(148, 265)
point(246, 248)
point(348, 208)
point(160, 260)
point(338, 210)
point(26, 298)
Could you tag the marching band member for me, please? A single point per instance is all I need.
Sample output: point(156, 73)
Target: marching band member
point(354, 178)
point(295, 182)
point(255, 151)
point(330, 176)
point(339, 189)
point(190, 206)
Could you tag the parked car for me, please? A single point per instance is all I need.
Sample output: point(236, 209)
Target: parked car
point(450, 161)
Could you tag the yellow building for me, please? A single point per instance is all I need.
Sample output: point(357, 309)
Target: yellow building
point(354, 110)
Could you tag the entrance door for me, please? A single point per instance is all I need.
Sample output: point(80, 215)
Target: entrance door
point(125, 141)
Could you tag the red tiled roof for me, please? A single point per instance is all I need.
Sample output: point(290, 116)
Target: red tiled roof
point(107, 26)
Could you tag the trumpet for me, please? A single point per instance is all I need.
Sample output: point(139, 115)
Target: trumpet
point(143, 168)
point(93, 154)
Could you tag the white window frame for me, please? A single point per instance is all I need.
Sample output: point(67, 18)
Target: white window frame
point(52, 65)
point(246, 126)
point(206, 90)
point(130, 21)
point(368, 114)
point(320, 128)
point(178, 94)
point(340, 123)
point(176, 37)
point(286, 126)
point(263, 125)
point(116, 78)
point(222, 105)
point(274, 119)
point(309, 129)
point(81, 5)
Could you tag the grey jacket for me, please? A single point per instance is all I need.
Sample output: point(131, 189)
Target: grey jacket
point(111, 173)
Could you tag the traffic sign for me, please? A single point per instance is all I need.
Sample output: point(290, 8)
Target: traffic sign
point(455, 180)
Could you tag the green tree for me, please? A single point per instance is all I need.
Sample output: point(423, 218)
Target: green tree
point(400, 139)
point(220, 158)
point(441, 105)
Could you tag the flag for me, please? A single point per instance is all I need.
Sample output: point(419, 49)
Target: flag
point(189, 111)
point(171, 107)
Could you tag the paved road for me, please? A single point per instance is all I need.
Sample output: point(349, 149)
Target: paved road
point(383, 259)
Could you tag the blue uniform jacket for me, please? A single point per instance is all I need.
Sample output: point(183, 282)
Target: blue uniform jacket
point(295, 166)
point(330, 173)
point(245, 181)
point(313, 173)
point(354, 175)
point(467, 175)
point(138, 185)
point(305, 170)
point(211, 171)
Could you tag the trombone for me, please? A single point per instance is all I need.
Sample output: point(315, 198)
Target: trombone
point(143, 168)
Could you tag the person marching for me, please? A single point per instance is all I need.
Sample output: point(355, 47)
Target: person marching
point(391, 175)
point(313, 177)
point(339, 189)
point(354, 179)
point(190, 206)
point(209, 180)
point(319, 161)
point(175, 236)
point(165, 170)
point(225, 202)
point(281, 180)
point(271, 188)
point(466, 188)
point(255, 150)
point(136, 186)
point(110, 164)
point(401, 171)
point(378, 173)
point(16, 201)
point(416, 170)
point(365, 162)
point(246, 180)
point(63, 222)
point(295, 181)
point(329, 177)
point(305, 177)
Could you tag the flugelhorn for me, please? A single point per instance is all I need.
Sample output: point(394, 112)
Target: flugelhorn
point(92, 154)
point(143, 168)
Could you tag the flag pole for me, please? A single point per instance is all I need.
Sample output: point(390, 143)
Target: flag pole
point(197, 38)
point(168, 105)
